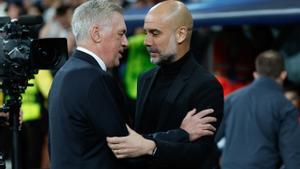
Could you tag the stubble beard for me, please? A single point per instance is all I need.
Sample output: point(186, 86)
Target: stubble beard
point(169, 56)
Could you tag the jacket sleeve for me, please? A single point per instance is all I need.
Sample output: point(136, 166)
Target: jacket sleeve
point(289, 137)
point(175, 135)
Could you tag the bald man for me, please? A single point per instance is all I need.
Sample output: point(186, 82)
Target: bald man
point(176, 85)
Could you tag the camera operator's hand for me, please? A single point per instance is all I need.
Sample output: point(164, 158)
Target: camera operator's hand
point(4, 118)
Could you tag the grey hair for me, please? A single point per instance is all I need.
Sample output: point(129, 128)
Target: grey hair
point(90, 13)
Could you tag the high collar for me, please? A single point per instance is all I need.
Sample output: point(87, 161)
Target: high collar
point(175, 66)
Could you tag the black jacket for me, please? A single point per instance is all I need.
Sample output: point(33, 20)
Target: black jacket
point(84, 108)
point(192, 88)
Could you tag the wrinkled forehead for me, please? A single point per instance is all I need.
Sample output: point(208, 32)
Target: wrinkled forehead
point(154, 20)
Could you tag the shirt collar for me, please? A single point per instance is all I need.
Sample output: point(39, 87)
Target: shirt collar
point(98, 59)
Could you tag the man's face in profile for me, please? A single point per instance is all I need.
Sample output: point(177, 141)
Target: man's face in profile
point(114, 39)
point(160, 39)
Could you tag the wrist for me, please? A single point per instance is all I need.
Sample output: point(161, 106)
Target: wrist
point(151, 148)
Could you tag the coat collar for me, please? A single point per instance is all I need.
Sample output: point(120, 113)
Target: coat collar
point(268, 83)
point(86, 57)
point(175, 88)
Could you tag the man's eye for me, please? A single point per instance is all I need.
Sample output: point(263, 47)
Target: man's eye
point(155, 33)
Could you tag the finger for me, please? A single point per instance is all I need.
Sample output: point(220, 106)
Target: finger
point(204, 113)
point(203, 133)
point(5, 115)
point(115, 140)
point(209, 119)
point(200, 134)
point(210, 127)
point(115, 153)
point(121, 156)
point(191, 113)
point(122, 152)
point(115, 146)
point(207, 133)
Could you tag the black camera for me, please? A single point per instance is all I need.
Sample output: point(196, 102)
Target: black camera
point(21, 56)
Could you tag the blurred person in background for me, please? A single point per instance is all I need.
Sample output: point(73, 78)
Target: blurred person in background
point(292, 94)
point(261, 127)
point(49, 7)
point(35, 121)
point(3, 6)
point(60, 26)
point(15, 9)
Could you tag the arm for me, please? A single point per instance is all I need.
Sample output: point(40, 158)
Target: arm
point(103, 104)
point(186, 154)
point(184, 133)
point(289, 137)
point(193, 126)
point(134, 145)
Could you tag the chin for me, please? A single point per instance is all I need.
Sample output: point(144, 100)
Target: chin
point(154, 60)
point(116, 64)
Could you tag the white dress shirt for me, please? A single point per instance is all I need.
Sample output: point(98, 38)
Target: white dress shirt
point(98, 59)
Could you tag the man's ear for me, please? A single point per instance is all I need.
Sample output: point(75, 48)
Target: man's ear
point(255, 75)
point(283, 75)
point(95, 34)
point(181, 34)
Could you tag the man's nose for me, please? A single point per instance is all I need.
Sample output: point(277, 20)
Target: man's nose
point(125, 42)
point(148, 41)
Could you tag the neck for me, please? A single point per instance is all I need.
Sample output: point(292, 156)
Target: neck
point(277, 80)
point(181, 51)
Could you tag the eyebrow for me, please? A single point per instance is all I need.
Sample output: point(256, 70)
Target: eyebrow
point(152, 30)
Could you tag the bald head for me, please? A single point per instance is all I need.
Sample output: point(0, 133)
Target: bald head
point(174, 12)
point(168, 27)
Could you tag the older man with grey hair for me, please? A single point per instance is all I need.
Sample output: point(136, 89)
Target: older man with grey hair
point(85, 104)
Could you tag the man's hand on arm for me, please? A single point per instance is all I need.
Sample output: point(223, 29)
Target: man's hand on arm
point(198, 124)
point(133, 145)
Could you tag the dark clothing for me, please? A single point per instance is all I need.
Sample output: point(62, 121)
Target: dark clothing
point(261, 128)
point(165, 77)
point(85, 107)
point(191, 87)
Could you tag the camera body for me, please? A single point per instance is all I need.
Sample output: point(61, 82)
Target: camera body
point(15, 52)
point(21, 56)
